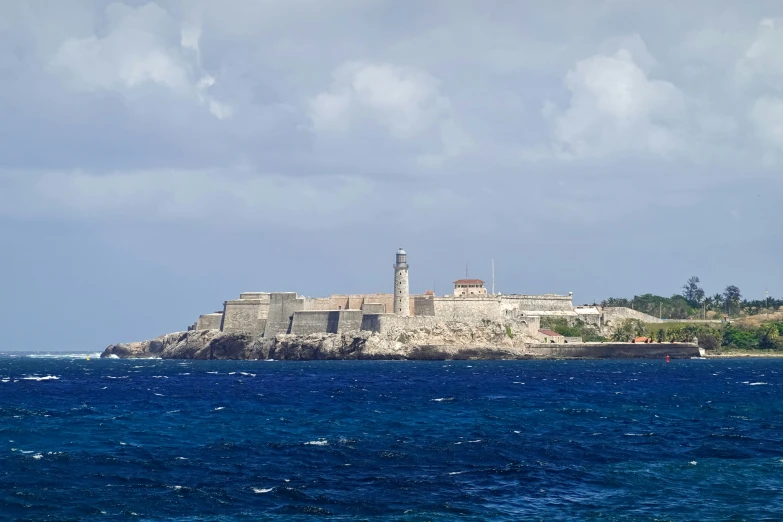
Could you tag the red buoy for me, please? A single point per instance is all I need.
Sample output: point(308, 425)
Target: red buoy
point(667, 358)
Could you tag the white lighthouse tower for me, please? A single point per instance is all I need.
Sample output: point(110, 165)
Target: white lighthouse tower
point(401, 296)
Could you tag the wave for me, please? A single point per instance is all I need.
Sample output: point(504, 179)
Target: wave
point(44, 378)
point(319, 442)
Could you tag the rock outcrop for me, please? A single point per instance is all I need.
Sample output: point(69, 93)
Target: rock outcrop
point(444, 341)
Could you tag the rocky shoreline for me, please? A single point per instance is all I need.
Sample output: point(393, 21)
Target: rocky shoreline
point(212, 344)
point(455, 341)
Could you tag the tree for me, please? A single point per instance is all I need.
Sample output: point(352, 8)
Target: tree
point(717, 301)
point(731, 298)
point(692, 292)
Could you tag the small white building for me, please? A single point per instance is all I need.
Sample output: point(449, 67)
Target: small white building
point(464, 287)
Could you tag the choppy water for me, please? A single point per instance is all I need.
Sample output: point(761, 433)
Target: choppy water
point(537, 440)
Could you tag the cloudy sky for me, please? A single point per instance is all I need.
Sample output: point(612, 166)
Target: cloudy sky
point(157, 158)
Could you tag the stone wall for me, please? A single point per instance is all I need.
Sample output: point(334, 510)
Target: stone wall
point(282, 306)
point(613, 316)
point(423, 306)
point(383, 323)
point(538, 303)
point(308, 322)
point(349, 321)
point(614, 350)
point(374, 308)
point(209, 321)
point(242, 316)
point(467, 309)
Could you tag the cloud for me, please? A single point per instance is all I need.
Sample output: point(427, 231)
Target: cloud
point(767, 115)
point(763, 59)
point(406, 102)
point(139, 47)
point(615, 108)
point(223, 199)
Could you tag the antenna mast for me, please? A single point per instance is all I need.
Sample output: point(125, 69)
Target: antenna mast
point(493, 277)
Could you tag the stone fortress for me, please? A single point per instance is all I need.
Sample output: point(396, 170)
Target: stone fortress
point(269, 314)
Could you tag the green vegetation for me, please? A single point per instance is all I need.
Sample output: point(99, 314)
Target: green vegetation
point(588, 333)
point(508, 332)
point(693, 303)
point(739, 336)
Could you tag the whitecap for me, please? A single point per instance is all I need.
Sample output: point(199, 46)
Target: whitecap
point(443, 399)
point(181, 458)
point(113, 377)
point(220, 408)
point(477, 440)
point(159, 377)
point(756, 383)
point(213, 372)
point(262, 490)
point(457, 472)
point(247, 374)
point(319, 442)
point(113, 356)
point(692, 463)
point(232, 373)
point(160, 395)
point(37, 456)
point(44, 378)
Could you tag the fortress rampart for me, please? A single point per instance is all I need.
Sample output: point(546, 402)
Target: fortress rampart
point(268, 314)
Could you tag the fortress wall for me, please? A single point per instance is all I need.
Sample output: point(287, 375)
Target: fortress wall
point(543, 303)
point(315, 321)
point(467, 309)
point(349, 321)
point(614, 350)
point(373, 308)
point(613, 316)
point(282, 306)
point(423, 306)
point(308, 322)
point(355, 302)
point(387, 300)
point(383, 323)
point(241, 315)
point(254, 295)
point(319, 303)
point(209, 321)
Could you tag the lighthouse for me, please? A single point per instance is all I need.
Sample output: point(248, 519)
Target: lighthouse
point(401, 296)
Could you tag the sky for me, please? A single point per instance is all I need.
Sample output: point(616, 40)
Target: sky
point(158, 158)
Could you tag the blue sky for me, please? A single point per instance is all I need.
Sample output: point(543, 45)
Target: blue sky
point(157, 158)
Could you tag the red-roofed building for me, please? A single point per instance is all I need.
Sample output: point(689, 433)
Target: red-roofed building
point(550, 336)
point(469, 287)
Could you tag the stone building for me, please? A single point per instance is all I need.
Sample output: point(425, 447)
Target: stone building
point(469, 287)
point(267, 314)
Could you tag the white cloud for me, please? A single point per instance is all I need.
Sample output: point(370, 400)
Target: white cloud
point(763, 59)
point(141, 46)
point(405, 102)
point(615, 108)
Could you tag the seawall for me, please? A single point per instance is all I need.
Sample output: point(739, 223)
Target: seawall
point(613, 350)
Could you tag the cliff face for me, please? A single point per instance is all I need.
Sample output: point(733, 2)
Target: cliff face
point(447, 341)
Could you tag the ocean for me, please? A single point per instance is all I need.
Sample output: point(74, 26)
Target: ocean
point(108, 439)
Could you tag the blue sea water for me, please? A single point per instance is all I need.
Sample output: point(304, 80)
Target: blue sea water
point(390, 440)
